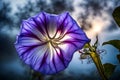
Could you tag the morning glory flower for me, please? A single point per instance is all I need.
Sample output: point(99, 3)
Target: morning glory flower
point(47, 41)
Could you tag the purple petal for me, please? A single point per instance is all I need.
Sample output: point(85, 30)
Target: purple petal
point(47, 41)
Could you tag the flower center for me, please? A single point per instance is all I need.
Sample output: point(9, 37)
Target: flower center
point(54, 42)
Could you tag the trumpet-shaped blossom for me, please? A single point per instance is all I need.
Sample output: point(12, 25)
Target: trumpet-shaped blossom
point(47, 41)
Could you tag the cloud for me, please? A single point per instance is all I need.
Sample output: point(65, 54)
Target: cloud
point(94, 15)
point(11, 32)
point(7, 39)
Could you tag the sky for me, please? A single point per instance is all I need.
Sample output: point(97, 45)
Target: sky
point(87, 13)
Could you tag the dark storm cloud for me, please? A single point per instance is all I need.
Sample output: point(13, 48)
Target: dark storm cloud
point(7, 49)
point(13, 70)
point(6, 43)
point(59, 6)
point(5, 11)
point(9, 66)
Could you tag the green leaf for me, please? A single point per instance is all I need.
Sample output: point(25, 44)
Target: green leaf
point(118, 57)
point(116, 15)
point(115, 43)
point(109, 69)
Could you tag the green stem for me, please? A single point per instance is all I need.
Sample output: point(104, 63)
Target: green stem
point(96, 59)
